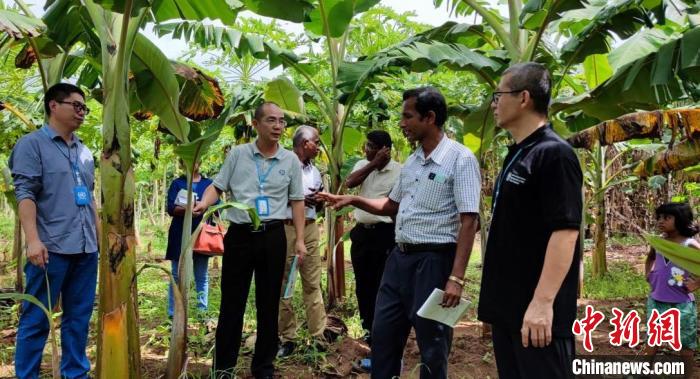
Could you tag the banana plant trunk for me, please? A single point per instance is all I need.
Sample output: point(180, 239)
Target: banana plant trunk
point(177, 355)
point(599, 260)
point(118, 344)
point(336, 263)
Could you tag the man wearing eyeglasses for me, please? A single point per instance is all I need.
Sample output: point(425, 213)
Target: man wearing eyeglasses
point(268, 177)
point(529, 281)
point(53, 174)
point(373, 236)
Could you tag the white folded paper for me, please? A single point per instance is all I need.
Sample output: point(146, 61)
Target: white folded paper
point(432, 309)
point(289, 289)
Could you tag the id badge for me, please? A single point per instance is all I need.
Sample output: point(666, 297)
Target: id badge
point(262, 205)
point(82, 195)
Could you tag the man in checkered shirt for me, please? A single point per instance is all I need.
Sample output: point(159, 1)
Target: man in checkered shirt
point(436, 205)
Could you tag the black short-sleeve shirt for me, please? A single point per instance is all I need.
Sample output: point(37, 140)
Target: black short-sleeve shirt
point(539, 193)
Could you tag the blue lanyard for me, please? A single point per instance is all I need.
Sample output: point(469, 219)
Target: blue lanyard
point(73, 163)
point(504, 173)
point(262, 177)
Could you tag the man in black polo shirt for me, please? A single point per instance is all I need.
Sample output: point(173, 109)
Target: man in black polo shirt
point(529, 282)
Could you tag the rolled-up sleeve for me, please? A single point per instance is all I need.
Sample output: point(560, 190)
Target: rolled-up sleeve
point(467, 183)
point(25, 166)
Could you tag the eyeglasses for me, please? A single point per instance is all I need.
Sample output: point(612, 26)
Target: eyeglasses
point(273, 121)
point(77, 106)
point(496, 95)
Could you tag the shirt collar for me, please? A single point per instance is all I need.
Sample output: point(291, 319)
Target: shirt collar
point(532, 138)
point(388, 166)
point(53, 135)
point(438, 154)
point(256, 151)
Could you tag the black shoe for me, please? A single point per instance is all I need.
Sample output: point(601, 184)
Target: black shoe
point(286, 349)
point(330, 336)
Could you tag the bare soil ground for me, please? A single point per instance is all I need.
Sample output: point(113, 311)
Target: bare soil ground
point(471, 356)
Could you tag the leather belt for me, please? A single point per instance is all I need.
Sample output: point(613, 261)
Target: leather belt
point(307, 221)
point(422, 247)
point(264, 226)
point(374, 226)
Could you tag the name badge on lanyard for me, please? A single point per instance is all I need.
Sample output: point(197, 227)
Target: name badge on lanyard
point(80, 190)
point(262, 202)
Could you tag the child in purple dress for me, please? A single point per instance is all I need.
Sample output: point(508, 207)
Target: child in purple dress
point(672, 286)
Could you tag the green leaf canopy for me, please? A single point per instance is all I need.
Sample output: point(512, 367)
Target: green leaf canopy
point(335, 15)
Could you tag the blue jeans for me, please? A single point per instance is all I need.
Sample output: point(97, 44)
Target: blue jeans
point(201, 281)
point(74, 277)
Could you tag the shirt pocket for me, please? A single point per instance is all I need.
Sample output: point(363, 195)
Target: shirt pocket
point(434, 193)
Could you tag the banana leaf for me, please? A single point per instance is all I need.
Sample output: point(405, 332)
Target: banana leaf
point(639, 125)
point(682, 155)
point(686, 258)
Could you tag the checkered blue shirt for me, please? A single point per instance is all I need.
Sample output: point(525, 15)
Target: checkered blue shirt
point(433, 192)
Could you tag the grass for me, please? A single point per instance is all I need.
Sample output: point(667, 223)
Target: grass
point(621, 281)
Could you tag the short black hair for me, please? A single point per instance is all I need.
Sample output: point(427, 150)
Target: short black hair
point(535, 79)
point(428, 99)
point(259, 109)
point(59, 92)
point(379, 138)
point(682, 215)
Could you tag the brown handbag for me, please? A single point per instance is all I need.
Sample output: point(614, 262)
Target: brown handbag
point(210, 240)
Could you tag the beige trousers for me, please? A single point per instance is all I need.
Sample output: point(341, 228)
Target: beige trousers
point(310, 275)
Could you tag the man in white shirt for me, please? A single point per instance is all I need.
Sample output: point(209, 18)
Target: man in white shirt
point(373, 236)
point(306, 142)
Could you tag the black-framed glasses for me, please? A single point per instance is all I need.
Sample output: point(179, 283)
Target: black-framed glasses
point(77, 106)
point(496, 95)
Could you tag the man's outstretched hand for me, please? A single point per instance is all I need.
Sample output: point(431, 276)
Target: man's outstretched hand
point(335, 201)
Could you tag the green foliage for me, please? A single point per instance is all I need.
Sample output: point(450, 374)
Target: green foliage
point(687, 258)
point(621, 281)
point(157, 87)
point(332, 17)
point(285, 94)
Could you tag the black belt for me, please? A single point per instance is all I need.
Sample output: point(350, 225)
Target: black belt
point(264, 226)
point(422, 247)
point(374, 226)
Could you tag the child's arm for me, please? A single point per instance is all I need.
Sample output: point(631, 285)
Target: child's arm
point(649, 263)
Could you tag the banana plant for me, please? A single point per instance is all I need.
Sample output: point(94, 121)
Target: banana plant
point(682, 151)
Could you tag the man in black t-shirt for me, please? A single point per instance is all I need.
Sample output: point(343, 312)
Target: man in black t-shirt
point(529, 282)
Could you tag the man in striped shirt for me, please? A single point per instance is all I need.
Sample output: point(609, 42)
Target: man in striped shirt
point(436, 205)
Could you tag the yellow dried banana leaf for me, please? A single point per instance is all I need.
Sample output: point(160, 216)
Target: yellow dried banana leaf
point(639, 125)
point(683, 155)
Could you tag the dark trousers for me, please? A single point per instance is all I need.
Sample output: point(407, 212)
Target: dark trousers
point(407, 282)
point(369, 250)
point(74, 277)
point(246, 252)
point(515, 361)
